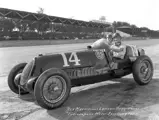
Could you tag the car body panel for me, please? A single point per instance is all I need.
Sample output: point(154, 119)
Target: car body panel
point(71, 60)
point(82, 67)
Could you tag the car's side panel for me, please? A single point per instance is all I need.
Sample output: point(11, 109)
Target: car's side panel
point(71, 60)
point(91, 58)
point(91, 79)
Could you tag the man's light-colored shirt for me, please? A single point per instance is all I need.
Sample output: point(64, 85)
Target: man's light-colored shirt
point(120, 54)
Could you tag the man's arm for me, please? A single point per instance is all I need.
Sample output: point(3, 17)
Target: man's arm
point(116, 49)
point(122, 52)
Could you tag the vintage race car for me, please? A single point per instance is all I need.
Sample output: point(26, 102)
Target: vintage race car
point(50, 76)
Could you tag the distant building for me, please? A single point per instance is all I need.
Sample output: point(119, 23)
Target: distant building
point(15, 29)
point(100, 21)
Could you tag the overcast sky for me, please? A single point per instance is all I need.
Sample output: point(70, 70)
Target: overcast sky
point(143, 13)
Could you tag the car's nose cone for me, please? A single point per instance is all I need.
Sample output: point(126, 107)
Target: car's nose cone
point(27, 72)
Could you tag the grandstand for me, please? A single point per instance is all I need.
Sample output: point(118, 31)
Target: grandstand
point(139, 32)
point(23, 25)
point(126, 29)
point(123, 34)
point(41, 26)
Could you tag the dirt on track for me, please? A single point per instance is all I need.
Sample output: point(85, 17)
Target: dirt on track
point(118, 99)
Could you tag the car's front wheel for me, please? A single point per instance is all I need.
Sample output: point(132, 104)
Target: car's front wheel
point(52, 88)
point(14, 78)
point(142, 70)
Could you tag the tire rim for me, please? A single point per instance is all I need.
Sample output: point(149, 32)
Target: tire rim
point(54, 89)
point(145, 70)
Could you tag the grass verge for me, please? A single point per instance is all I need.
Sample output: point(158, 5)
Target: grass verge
point(20, 43)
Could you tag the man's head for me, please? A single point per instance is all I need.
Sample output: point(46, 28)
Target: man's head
point(109, 38)
point(117, 39)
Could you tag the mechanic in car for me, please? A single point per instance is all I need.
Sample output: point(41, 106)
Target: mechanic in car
point(104, 43)
point(118, 48)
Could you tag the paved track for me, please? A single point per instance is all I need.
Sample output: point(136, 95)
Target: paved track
point(141, 101)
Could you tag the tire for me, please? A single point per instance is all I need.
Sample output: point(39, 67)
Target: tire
point(11, 83)
point(140, 66)
point(40, 84)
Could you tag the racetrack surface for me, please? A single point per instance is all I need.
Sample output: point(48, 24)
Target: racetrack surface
point(122, 99)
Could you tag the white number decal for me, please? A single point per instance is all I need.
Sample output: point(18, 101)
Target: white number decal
point(73, 58)
point(65, 60)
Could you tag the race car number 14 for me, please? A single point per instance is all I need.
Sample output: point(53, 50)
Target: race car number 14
point(73, 58)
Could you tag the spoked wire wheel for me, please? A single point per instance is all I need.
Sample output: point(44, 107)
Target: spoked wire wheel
point(54, 89)
point(143, 70)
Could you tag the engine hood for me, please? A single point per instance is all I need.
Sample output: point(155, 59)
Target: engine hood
point(45, 61)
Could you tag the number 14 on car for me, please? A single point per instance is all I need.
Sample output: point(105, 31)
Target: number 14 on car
point(73, 58)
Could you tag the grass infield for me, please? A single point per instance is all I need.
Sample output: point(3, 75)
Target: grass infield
point(20, 43)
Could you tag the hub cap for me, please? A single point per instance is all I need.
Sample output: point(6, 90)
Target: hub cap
point(54, 89)
point(145, 70)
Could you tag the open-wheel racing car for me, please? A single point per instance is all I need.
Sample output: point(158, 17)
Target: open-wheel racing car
point(51, 76)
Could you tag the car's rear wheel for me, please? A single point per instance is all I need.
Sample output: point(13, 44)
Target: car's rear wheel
point(143, 70)
point(52, 88)
point(14, 78)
